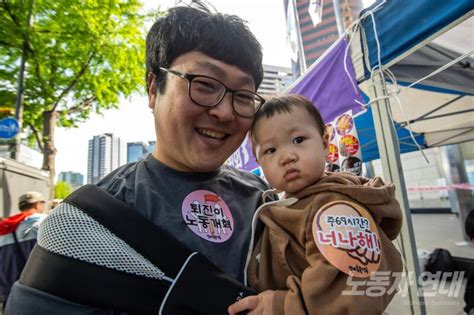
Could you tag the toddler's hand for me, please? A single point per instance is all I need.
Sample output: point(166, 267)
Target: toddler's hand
point(261, 304)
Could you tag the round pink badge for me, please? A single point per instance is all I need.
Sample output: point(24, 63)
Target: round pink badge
point(208, 216)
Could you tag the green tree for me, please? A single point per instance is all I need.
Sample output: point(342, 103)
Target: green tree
point(62, 190)
point(82, 56)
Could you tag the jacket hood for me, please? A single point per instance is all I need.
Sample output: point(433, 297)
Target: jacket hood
point(364, 190)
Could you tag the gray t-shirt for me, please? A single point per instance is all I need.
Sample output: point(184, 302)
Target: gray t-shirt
point(210, 213)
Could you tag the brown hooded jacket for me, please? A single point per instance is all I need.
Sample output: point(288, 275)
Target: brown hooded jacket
point(286, 258)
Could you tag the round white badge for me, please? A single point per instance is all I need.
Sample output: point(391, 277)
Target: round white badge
point(208, 216)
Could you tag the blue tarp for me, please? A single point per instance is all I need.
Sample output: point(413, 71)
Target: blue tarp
point(402, 24)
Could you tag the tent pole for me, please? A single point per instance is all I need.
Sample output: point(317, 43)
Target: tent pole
point(389, 149)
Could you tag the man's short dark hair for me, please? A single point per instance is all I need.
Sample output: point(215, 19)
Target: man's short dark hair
point(284, 104)
point(220, 36)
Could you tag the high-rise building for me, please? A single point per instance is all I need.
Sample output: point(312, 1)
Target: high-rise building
point(103, 157)
point(275, 80)
point(313, 32)
point(136, 151)
point(76, 180)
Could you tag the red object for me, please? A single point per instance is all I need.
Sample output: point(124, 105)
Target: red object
point(212, 198)
point(10, 224)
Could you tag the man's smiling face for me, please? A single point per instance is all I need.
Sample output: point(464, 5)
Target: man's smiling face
point(193, 138)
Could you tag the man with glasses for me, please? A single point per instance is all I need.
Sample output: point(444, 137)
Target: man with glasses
point(203, 71)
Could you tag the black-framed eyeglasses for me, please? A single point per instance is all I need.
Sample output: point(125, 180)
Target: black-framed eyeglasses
point(208, 91)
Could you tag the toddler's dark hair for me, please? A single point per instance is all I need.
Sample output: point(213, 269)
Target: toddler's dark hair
point(285, 104)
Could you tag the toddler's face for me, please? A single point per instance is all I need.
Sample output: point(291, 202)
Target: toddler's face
point(290, 150)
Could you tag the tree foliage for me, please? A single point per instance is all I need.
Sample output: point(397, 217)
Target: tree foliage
point(62, 190)
point(82, 56)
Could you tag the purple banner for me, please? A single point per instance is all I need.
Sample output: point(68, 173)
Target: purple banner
point(243, 158)
point(328, 86)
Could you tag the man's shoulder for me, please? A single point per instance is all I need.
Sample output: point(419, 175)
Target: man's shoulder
point(120, 173)
point(115, 182)
point(244, 177)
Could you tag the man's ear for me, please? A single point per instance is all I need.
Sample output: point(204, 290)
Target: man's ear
point(151, 89)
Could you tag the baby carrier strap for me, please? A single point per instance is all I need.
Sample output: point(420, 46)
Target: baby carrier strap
point(130, 226)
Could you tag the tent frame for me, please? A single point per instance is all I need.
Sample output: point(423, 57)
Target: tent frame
point(465, 130)
point(425, 115)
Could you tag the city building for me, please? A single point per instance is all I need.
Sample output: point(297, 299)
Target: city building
point(76, 180)
point(314, 25)
point(104, 155)
point(136, 151)
point(275, 80)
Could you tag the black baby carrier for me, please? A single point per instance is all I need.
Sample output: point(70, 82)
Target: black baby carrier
point(95, 250)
